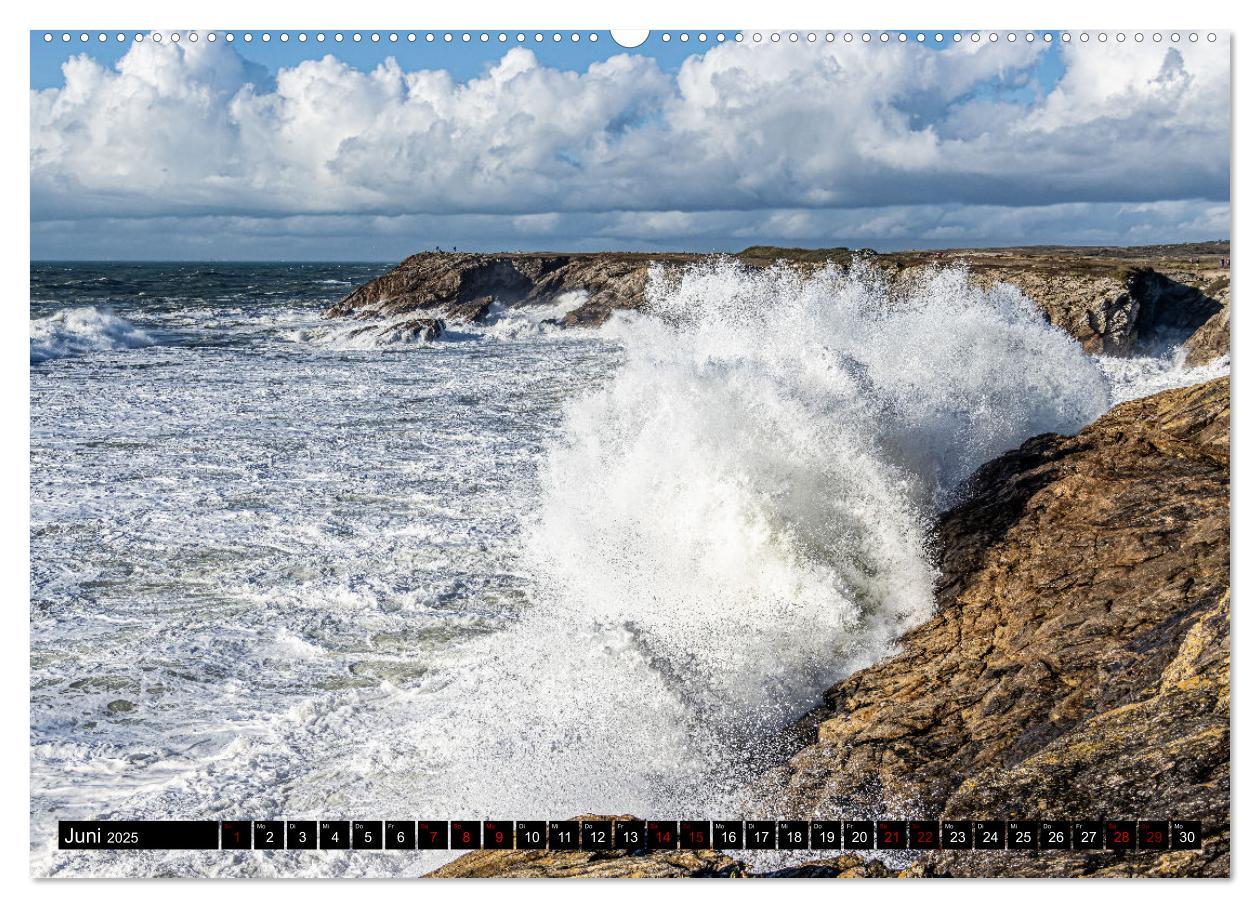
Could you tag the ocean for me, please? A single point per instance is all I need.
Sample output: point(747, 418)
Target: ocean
point(283, 570)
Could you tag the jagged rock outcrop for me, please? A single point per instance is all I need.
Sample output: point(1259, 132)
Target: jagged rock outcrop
point(462, 286)
point(1097, 310)
point(1077, 666)
point(1109, 300)
point(1169, 310)
point(646, 865)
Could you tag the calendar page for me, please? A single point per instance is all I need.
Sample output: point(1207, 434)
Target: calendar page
point(558, 452)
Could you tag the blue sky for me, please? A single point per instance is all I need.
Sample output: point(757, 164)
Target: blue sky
point(463, 60)
point(362, 150)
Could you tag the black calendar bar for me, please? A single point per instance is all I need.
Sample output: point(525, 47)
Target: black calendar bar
point(634, 835)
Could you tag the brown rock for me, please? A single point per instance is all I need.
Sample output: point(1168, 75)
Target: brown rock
point(844, 866)
point(1211, 340)
point(1133, 310)
point(643, 863)
point(609, 864)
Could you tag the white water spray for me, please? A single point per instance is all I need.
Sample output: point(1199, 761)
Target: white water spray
point(735, 521)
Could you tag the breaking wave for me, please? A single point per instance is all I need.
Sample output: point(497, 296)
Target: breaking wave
point(737, 519)
point(88, 329)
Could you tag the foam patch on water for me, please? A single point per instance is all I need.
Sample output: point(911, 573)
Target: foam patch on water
point(89, 329)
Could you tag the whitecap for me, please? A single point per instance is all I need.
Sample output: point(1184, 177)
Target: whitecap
point(76, 332)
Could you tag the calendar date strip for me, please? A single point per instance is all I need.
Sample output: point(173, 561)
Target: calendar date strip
point(632, 835)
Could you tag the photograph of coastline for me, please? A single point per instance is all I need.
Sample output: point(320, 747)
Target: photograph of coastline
point(802, 426)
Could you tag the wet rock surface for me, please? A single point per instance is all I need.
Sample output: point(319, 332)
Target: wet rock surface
point(642, 863)
point(593, 864)
point(649, 865)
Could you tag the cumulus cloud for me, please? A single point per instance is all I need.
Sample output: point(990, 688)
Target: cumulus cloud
point(806, 141)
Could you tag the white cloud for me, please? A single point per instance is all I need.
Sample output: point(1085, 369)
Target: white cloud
point(792, 131)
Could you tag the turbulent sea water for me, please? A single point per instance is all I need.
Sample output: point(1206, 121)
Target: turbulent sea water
point(280, 571)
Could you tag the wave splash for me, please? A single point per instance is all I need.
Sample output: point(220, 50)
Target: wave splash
point(87, 329)
point(500, 323)
point(736, 520)
point(1132, 377)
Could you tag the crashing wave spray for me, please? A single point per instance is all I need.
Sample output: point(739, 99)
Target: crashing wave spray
point(736, 520)
point(73, 332)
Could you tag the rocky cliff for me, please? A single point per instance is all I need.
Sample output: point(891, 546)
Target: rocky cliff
point(1077, 665)
point(1113, 301)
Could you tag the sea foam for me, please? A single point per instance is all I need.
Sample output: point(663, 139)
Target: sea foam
point(88, 329)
